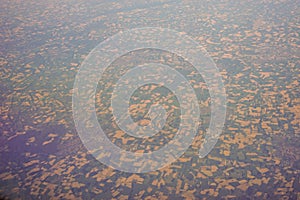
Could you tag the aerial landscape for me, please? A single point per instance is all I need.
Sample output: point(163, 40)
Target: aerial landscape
point(255, 46)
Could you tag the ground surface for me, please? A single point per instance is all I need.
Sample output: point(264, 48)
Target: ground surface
point(255, 45)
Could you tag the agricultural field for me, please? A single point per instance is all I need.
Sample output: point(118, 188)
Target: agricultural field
point(255, 46)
